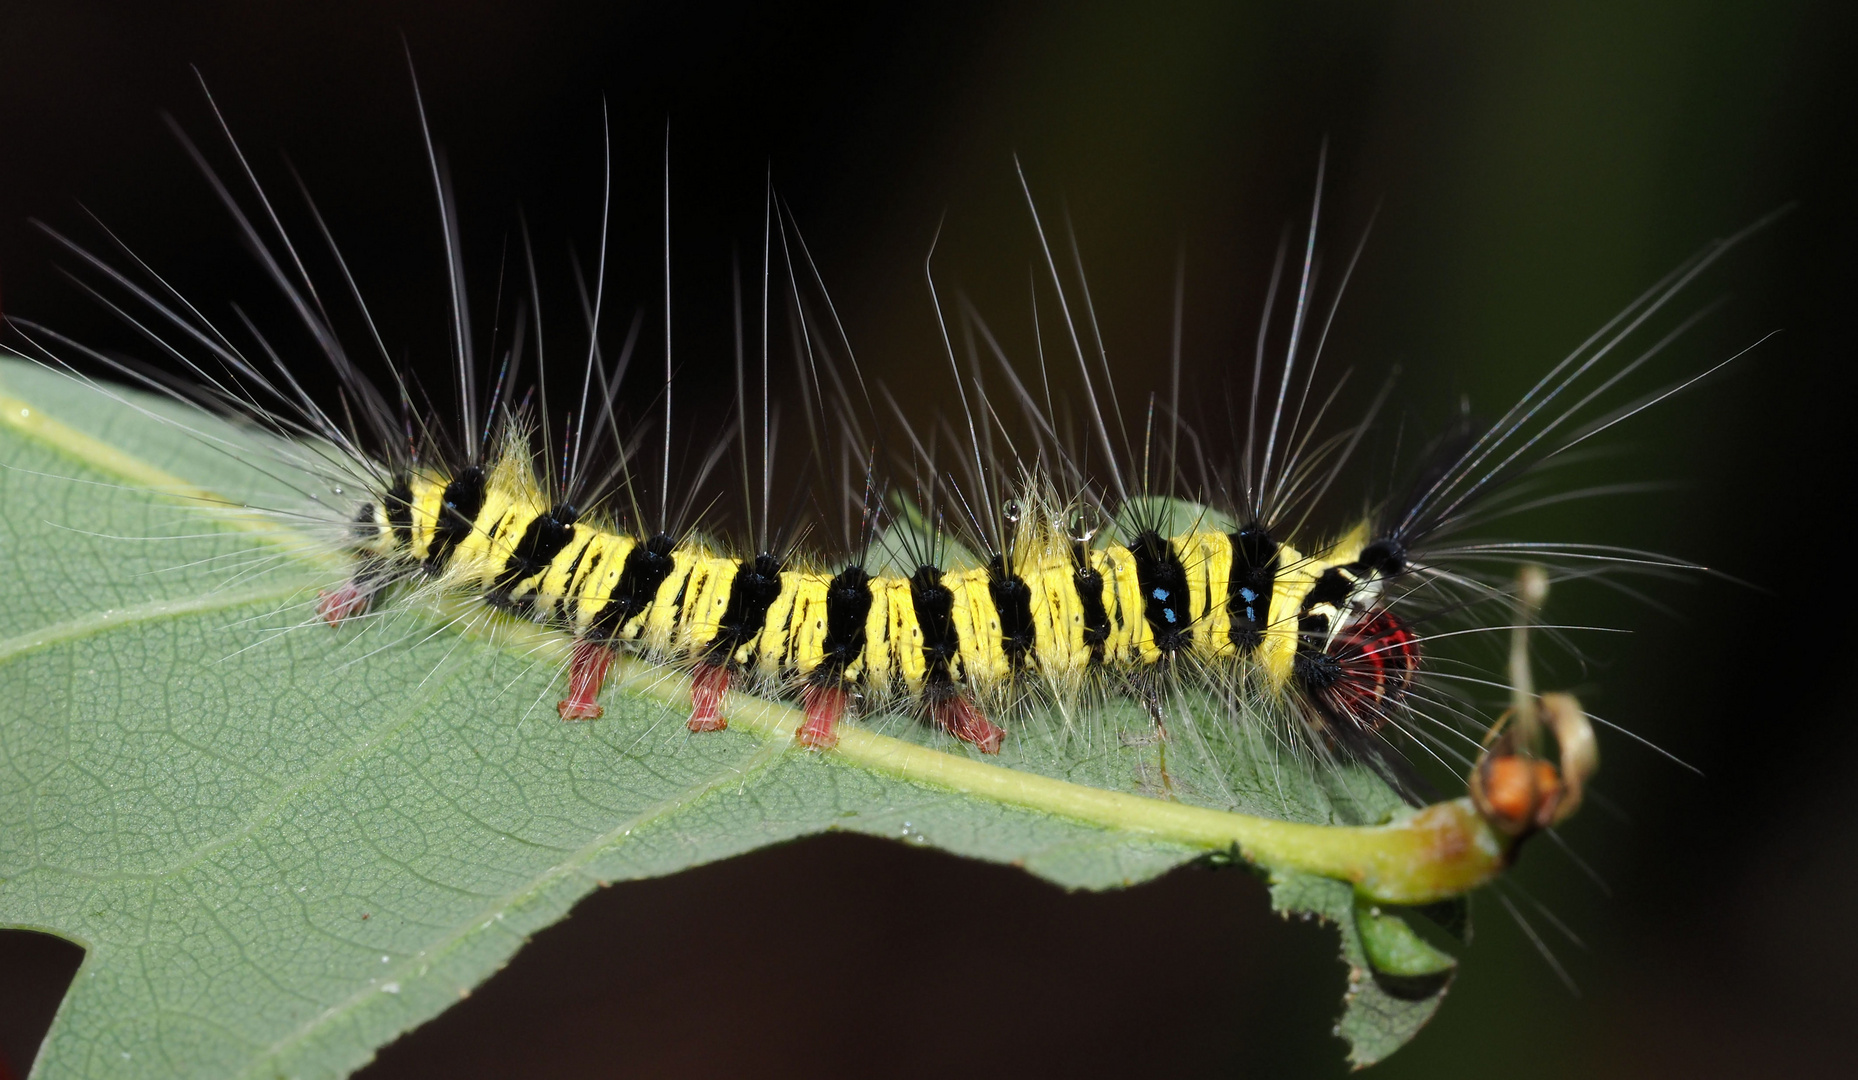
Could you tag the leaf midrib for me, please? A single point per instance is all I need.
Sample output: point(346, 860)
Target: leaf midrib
point(112, 619)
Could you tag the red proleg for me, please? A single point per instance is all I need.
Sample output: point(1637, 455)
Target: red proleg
point(708, 685)
point(585, 674)
point(964, 720)
point(825, 707)
point(342, 603)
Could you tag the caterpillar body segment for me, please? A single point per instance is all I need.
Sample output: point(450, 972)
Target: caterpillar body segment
point(1051, 609)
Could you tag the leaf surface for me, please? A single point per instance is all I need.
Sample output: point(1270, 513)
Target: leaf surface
point(281, 845)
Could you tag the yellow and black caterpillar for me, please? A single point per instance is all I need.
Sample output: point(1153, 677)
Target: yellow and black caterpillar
point(1239, 600)
point(1053, 607)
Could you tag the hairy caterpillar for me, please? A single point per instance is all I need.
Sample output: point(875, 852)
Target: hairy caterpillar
point(1052, 605)
point(1081, 592)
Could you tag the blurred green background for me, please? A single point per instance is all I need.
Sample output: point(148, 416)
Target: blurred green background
point(1534, 168)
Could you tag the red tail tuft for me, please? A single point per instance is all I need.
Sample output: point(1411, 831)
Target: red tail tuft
point(1378, 656)
point(585, 674)
point(708, 685)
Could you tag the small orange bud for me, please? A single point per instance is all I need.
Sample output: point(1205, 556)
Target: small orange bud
point(1517, 793)
point(1509, 789)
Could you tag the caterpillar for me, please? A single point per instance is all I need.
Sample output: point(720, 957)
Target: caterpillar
point(1084, 587)
point(1052, 605)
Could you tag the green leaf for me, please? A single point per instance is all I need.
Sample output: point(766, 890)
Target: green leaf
point(282, 845)
point(1393, 948)
point(1385, 1007)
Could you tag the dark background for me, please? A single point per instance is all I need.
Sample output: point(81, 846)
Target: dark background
point(1535, 169)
